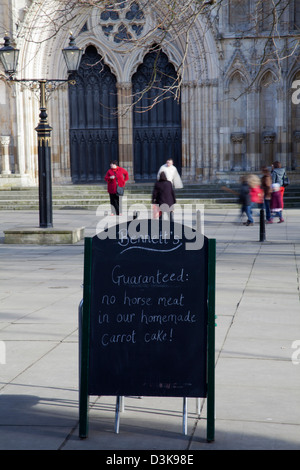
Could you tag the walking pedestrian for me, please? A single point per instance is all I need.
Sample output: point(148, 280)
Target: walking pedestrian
point(276, 203)
point(279, 176)
point(171, 173)
point(163, 196)
point(266, 182)
point(245, 201)
point(256, 192)
point(116, 178)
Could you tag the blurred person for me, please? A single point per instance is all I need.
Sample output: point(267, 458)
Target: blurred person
point(256, 192)
point(266, 182)
point(171, 173)
point(279, 176)
point(245, 200)
point(276, 203)
point(163, 197)
point(116, 177)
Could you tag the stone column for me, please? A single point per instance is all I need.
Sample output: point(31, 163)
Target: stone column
point(268, 148)
point(296, 151)
point(5, 140)
point(125, 127)
point(253, 141)
point(186, 161)
point(209, 129)
point(238, 139)
point(281, 149)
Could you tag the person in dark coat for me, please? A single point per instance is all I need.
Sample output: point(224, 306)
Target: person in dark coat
point(266, 182)
point(163, 196)
point(245, 201)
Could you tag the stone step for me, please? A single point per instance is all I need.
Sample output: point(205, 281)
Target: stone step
point(104, 196)
point(93, 204)
point(135, 188)
point(90, 196)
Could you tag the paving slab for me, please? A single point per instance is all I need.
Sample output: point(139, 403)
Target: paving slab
point(257, 333)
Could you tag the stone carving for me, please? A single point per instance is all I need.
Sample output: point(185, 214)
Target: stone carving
point(269, 137)
point(297, 136)
point(237, 137)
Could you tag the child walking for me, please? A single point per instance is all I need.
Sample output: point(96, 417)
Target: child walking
point(276, 203)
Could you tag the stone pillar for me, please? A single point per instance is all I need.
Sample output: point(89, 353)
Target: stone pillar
point(186, 170)
point(208, 129)
point(125, 127)
point(214, 130)
point(238, 139)
point(281, 148)
point(253, 142)
point(268, 148)
point(296, 151)
point(5, 140)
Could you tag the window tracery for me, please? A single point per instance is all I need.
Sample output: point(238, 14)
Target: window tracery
point(122, 23)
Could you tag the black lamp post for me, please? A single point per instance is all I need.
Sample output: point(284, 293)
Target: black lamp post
point(44, 162)
point(9, 58)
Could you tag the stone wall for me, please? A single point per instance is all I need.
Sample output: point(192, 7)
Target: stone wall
point(237, 112)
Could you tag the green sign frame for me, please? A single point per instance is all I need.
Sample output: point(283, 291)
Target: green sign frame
point(84, 341)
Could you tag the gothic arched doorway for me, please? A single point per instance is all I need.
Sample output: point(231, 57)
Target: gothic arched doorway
point(156, 128)
point(93, 119)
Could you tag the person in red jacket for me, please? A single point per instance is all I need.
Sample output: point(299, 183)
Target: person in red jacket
point(256, 192)
point(116, 176)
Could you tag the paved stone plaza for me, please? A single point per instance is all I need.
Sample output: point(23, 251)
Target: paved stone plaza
point(257, 346)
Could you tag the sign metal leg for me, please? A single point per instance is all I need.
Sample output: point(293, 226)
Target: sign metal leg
point(117, 417)
point(184, 417)
point(211, 342)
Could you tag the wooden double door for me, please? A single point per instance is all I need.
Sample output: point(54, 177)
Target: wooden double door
point(93, 106)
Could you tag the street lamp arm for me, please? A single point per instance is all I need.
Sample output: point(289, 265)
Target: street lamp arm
point(33, 84)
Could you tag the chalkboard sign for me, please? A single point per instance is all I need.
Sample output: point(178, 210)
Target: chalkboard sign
point(148, 314)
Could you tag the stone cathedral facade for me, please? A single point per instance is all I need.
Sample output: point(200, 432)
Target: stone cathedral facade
point(234, 113)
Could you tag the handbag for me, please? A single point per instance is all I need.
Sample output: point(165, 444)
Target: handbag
point(156, 213)
point(285, 181)
point(120, 190)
